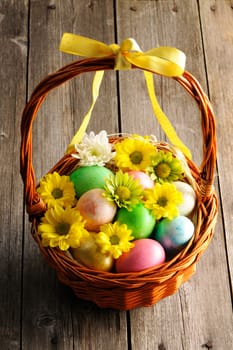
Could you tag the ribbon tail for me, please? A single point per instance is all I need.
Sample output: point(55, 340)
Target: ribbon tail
point(163, 119)
point(82, 129)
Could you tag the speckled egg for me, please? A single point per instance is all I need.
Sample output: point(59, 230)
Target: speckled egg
point(189, 198)
point(139, 220)
point(86, 178)
point(144, 180)
point(146, 253)
point(96, 209)
point(174, 234)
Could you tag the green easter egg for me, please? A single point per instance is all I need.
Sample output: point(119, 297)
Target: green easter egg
point(86, 178)
point(139, 220)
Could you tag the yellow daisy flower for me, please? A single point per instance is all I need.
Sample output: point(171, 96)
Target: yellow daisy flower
point(164, 167)
point(134, 153)
point(123, 189)
point(63, 228)
point(57, 189)
point(114, 239)
point(163, 200)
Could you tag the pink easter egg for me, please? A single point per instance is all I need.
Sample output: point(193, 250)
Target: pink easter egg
point(144, 180)
point(96, 209)
point(146, 253)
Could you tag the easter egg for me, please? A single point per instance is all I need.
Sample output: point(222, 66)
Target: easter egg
point(174, 234)
point(95, 209)
point(189, 198)
point(146, 253)
point(89, 255)
point(139, 220)
point(86, 178)
point(144, 180)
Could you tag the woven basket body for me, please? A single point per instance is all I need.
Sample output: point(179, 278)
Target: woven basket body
point(123, 291)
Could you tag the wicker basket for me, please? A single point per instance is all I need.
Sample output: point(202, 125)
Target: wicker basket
point(123, 291)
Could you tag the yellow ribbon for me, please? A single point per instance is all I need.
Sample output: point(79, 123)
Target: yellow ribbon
point(82, 129)
point(166, 61)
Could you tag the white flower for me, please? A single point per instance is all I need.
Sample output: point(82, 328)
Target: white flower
point(94, 149)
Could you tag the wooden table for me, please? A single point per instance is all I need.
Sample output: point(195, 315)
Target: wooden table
point(37, 312)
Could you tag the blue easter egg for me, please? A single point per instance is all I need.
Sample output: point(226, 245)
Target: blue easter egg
point(174, 234)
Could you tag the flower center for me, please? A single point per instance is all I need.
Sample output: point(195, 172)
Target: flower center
point(57, 193)
point(162, 201)
point(62, 228)
point(114, 239)
point(123, 192)
point(136, 157)
point(163, 170)
point(95, 153)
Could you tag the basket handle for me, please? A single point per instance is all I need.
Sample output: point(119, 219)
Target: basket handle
point(35, 206)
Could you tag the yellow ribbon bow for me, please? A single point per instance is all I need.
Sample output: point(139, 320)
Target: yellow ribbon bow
point(166, 61)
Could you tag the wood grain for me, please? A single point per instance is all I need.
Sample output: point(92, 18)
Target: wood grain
point(43, 307)
point(13, 56)
point(36, 311)
point(217, 22)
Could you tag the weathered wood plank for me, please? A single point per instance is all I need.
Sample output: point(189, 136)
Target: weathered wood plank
point(51, 314)
point(189, 319)
point(217, 24)
point(43, 307)
point(13, 43)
